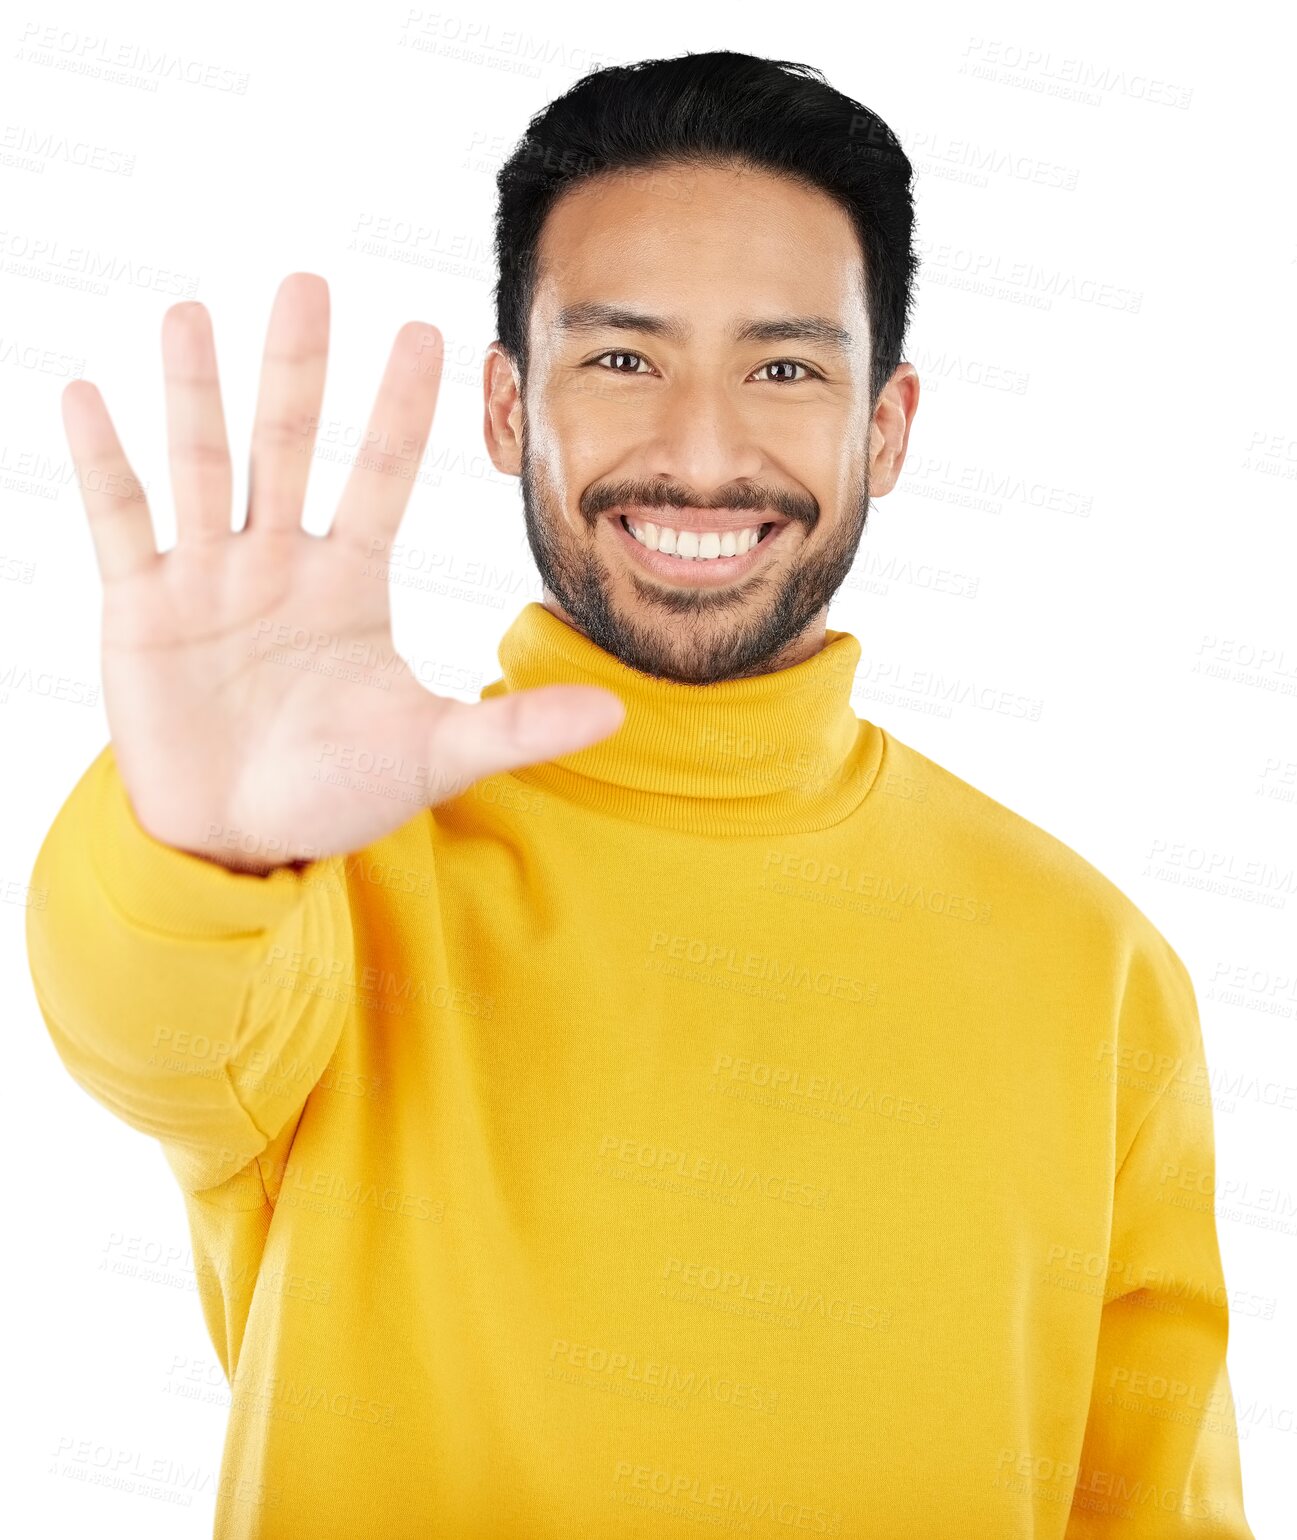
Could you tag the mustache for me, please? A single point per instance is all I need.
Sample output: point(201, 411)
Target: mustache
point(667, 494)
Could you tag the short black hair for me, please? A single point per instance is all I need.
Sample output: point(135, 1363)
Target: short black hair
point(714, 108)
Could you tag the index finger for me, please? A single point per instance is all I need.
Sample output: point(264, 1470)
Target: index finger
point(382, 478)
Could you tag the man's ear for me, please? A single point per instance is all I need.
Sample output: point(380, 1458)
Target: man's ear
point(502, 415)
point(889, 431)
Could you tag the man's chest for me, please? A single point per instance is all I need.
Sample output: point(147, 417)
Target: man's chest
point(715, 1222)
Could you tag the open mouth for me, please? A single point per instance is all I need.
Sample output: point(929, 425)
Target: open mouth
point(696, 545)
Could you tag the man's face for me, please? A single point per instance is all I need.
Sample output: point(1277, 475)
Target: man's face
point(699, 364)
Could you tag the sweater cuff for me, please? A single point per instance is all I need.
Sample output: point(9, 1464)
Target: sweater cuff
point(165, 889)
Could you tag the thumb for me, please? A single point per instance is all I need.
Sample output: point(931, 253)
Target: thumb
point(525, 727)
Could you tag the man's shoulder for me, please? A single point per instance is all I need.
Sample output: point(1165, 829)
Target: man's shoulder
point(961, 828)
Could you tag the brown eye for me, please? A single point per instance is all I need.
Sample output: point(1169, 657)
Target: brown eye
point(616, 368)
point(789, 363)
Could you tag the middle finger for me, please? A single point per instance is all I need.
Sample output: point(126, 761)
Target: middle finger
point(288, 402)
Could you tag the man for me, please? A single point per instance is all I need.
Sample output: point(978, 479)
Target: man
point(651, 1097)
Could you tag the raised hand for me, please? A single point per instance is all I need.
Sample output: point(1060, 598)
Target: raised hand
point(234, 740)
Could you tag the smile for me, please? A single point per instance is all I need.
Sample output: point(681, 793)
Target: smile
point(698, 557)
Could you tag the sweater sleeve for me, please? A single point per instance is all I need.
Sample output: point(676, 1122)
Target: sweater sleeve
point(181, 995)
point(1160, 1457)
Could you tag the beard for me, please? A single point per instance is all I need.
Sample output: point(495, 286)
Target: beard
point(690, 635)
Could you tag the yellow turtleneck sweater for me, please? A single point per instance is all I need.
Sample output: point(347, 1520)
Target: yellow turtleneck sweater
point(741, 1125)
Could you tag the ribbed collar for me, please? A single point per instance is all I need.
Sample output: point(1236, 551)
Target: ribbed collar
point(775, 753)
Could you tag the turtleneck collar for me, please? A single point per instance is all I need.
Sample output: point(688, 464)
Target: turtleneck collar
point(773, 753)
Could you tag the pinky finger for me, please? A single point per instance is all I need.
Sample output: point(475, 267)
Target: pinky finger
point(120, 525)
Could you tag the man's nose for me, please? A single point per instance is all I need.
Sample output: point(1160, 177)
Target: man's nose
point(699, 435)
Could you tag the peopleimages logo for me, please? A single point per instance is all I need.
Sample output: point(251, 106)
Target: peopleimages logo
point(759, 965)
point(587, 1364)
point(795, 1299)
point(686, 1491)
point(662, 1160)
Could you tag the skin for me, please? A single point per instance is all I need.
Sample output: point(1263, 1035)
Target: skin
point(614, 416)
point(224, 751)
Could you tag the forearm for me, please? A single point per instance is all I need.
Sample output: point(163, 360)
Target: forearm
point(174, 990)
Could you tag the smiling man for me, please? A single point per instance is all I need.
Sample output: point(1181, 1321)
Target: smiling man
point(695, 497)
point(652, 1097)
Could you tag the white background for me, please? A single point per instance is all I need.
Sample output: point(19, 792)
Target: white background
point(1096, 518)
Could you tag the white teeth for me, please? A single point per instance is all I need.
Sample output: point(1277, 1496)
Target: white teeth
point(691, 545)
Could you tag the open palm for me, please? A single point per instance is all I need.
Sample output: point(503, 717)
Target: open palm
point(259, 712)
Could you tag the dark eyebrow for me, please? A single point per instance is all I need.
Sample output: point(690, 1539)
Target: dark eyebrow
point(801, 328)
